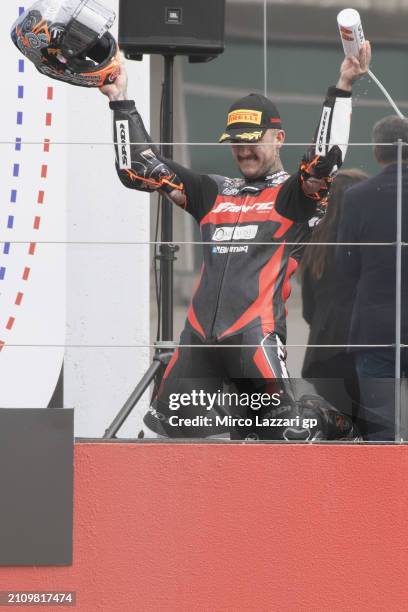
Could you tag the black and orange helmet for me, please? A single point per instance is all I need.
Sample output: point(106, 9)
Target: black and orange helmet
point(68, 40)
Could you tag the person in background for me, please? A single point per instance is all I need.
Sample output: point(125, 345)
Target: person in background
point(369, 216)
point(327, 297)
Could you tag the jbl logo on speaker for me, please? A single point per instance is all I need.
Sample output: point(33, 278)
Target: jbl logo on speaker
point(174, 16)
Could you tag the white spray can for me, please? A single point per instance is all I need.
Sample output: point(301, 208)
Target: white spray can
point(351, 31)
point(352, 37)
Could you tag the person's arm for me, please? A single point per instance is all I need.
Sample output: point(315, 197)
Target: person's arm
point(308, 299)
point(303, 191)
point(348, 258)
point(139, 164)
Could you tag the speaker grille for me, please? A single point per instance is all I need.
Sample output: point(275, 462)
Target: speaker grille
point(181, 28)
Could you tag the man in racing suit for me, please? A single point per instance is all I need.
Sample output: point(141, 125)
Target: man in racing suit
point(253, 229)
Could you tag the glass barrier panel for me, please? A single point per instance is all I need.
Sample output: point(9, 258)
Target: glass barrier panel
point(80, 278)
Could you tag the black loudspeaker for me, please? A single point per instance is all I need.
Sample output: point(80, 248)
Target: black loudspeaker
point(172, 27)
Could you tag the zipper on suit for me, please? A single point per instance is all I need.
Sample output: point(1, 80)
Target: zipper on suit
point(221, 281)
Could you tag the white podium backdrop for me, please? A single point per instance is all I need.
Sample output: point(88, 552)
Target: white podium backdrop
point(74, 289)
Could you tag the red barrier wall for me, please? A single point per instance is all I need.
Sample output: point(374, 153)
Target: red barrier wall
point(234, 527)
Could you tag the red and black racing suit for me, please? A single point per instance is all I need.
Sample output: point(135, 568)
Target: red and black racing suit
point(252, 232)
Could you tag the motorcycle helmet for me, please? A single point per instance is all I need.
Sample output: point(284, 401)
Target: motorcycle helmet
point(68, 40)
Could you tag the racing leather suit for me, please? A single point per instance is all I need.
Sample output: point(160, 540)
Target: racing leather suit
point(253, 232)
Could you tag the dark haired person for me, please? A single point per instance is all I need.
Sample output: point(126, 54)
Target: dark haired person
point(327, 297)
point(369, 215)
point(252, 227)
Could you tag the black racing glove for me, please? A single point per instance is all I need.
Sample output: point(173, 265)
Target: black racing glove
point(148, 173)
point(322, 167)
point(137, 159)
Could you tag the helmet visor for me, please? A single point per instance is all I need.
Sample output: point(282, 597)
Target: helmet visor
point(88, 22)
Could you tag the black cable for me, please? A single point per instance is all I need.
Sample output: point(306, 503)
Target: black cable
point(157, 276)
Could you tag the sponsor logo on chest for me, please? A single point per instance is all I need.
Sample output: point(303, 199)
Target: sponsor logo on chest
point(261, 207)
point(224, 250)
point(227, 234)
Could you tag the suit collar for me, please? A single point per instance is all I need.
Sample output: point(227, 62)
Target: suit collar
point(393, 168)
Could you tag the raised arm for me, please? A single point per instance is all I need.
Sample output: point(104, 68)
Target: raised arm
point(324, 159)
point(137, 160)
point(321, 162)
point(139, 164)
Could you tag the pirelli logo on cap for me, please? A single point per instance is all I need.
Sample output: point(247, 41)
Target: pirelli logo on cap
point(244, 116)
